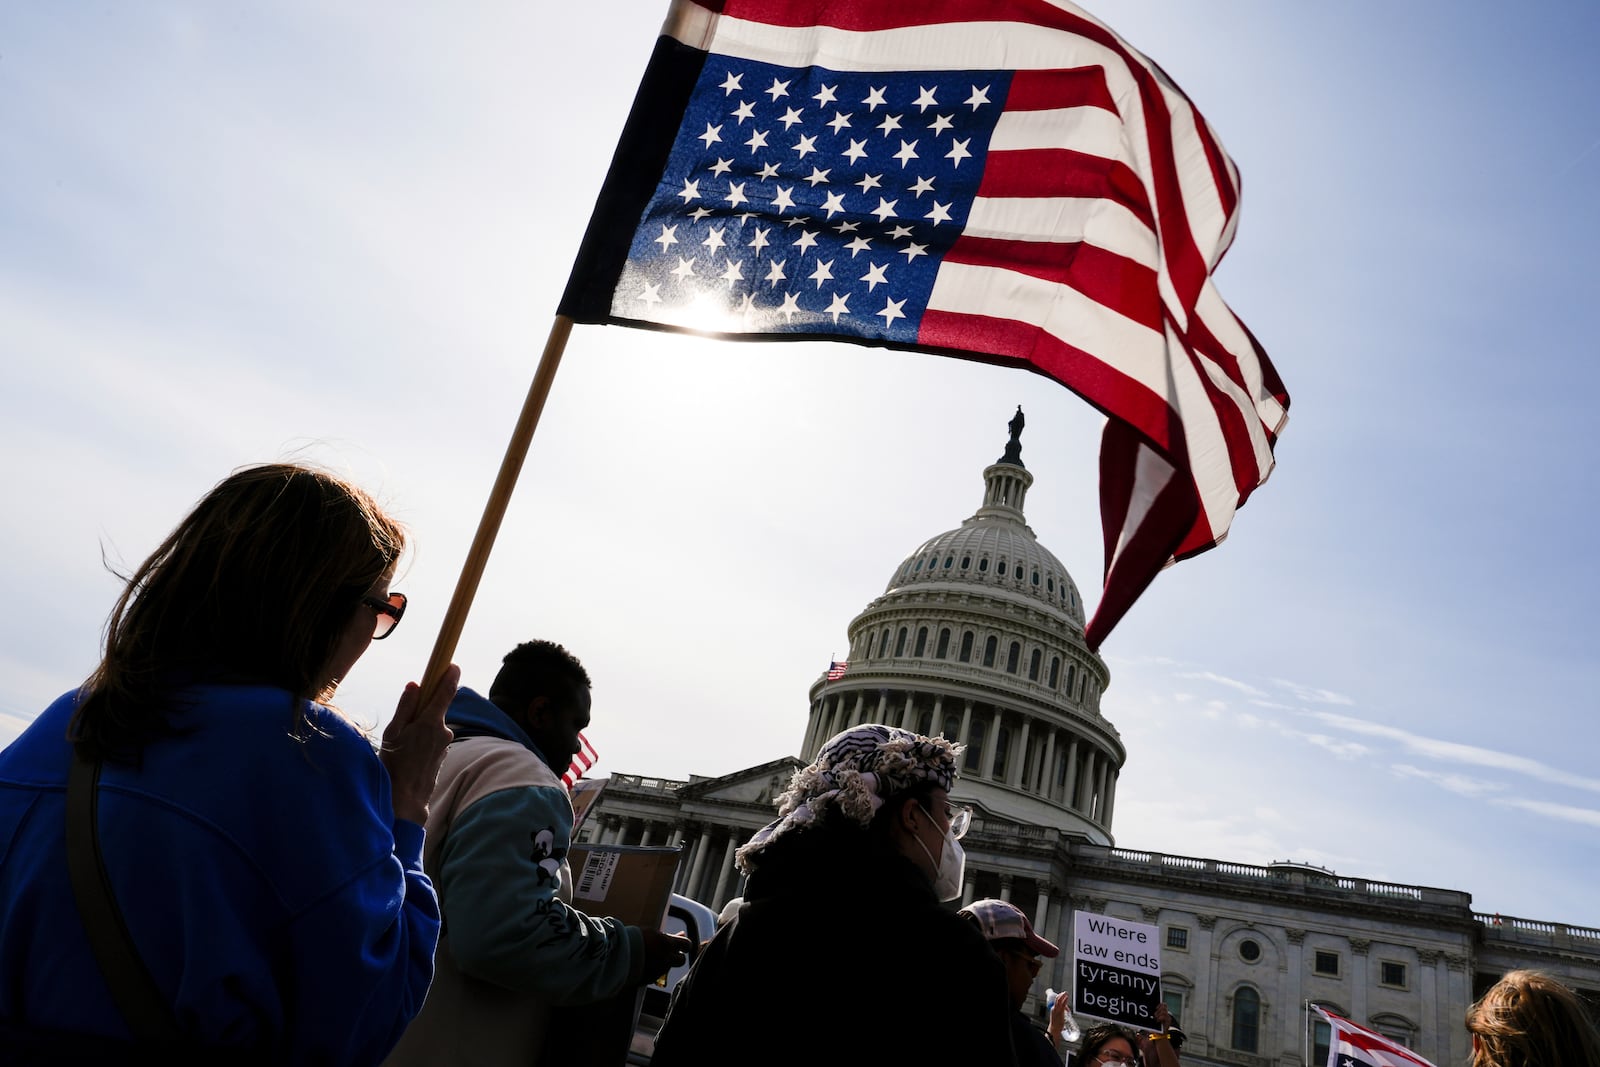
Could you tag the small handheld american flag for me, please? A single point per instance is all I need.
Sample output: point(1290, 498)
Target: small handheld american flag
point(580, 764)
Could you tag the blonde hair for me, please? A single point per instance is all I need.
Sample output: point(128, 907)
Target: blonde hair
point(1528, 1019)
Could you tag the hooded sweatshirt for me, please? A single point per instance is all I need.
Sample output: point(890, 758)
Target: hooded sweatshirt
point(513, 947)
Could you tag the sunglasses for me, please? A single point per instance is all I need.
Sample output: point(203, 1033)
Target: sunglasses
point(389, 609)
point(1031, 960)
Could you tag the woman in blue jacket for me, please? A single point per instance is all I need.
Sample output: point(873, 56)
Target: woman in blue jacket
point(264, 860)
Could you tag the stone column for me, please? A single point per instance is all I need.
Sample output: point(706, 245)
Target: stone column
point(1014, 772)
point(1006, 881)
point(1069, 791)
point(1292, 996)
point(1361, 973)
point(992, 743)
point(677, 837)
point(1041, 916)
point(697, 867)
point(1428, 985)
point(720, 897)
point(644, 837)
point(966, 723)
point(883, 703)
point(1209, 1016)
point(1101, 773)
point(1111, 793)
point(1086, 782)
point(856, 712)
point(969, 886)
point(938, 718)
point(1047, 778)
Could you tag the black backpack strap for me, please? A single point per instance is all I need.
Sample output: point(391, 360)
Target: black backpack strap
point(145, 1010)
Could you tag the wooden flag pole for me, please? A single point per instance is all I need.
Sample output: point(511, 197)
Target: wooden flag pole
point(455, 617)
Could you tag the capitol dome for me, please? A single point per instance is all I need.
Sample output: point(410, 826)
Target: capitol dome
point(979, 636)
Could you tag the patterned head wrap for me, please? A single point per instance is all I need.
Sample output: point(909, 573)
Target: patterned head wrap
point(856, 771)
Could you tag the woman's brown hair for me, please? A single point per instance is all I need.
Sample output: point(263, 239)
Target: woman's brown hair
point(254, 586)
point(1529, 1019)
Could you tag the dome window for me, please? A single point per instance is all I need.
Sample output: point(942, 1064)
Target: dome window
point(1055, 670)
point(1033, 666)
point(1012, 656)
point(990, 647)
point(900, 642)
point(883, 644)
point(1000, 568)
point(1072, 676)
point(872, 640)
point(922, 642)
point(949, 561)
point(983, 564)
point(966, 647)
point(1036, 578)
point(1050, 585)
point(966, 561)
point(918, 567)
point(942, 650)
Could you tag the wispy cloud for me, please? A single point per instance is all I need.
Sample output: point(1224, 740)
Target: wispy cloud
point(1307, 694)
point(1456, 752)
point(1455, 783)
point(1232, 683)
point(1566, 812)
point(1342, 749)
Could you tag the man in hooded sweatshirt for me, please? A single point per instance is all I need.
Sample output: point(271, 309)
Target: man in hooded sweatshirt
point(500, 824)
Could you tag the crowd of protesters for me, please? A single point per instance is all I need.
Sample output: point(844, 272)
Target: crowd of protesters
point(203, 860)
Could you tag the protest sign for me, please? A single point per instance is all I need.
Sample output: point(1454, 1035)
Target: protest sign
point(1116, 970)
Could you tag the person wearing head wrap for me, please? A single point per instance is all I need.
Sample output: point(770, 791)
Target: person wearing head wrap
point(841, 949)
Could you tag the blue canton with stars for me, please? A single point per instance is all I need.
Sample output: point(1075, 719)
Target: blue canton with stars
point(810, 201)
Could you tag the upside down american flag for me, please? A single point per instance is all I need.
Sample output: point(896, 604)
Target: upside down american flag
point(999, 180)
point(1353, 1045)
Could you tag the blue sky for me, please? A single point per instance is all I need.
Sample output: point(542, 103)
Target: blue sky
point(234, 234)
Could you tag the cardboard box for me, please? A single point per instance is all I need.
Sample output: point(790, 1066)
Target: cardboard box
point(632, 883)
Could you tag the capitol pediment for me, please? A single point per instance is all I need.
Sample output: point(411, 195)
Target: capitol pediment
point(754, 785)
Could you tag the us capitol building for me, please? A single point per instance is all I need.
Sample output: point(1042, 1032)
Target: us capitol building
point(979, 636)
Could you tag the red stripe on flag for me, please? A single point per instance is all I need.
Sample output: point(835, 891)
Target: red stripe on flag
point(1063, 172)
point(1127, 287)
point(1045, 90)
point(1080, 371)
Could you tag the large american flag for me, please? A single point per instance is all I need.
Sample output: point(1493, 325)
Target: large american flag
point(1353, 1045)
point(1002, 180)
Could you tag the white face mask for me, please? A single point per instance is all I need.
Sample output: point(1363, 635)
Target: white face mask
point(952, 865)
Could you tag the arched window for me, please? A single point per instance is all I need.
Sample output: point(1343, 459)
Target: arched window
point(1033, 666)
point(983, 564)
point(925, 723)
point(952, 727)
point(1000, 568)
point(872, 640)
point(1072, 673)
point(1035, 577)
point(966, 647)
point(1055, 670)
point(900, 642)
point(942, 650)
point(966, 561)
point(1246, 1019)
point(1012, 656)
point(922, 641)
point(883, 643)
point(990, 647)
